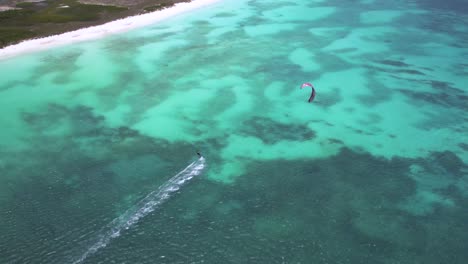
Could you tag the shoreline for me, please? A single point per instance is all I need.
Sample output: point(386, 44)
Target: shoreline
point(99, 31)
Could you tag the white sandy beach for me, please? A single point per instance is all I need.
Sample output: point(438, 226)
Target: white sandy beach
point(99, 31)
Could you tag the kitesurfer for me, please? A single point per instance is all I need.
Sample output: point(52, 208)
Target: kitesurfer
point(199, 154)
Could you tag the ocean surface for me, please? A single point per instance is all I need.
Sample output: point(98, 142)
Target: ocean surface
point(98, 140)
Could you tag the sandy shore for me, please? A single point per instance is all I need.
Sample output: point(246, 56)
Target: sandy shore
point(100, 31)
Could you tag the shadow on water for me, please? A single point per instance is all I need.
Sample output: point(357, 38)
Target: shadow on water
point(270, 131)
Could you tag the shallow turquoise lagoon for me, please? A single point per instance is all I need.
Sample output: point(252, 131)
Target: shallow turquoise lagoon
point(98, 139)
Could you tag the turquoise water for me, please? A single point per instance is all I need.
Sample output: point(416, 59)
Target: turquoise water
point(375, 170)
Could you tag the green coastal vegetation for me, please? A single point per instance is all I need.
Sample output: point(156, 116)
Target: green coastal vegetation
point(12, 35)
point(25, 20)
point(61, 11)
point(38, 19)
point(158, 7)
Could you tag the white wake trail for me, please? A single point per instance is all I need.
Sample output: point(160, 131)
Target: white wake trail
point(143, 207)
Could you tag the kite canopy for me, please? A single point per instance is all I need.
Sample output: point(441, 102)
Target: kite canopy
point(307, 84)
point(312, 95)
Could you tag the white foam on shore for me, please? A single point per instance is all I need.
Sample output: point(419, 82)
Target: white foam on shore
point(100, 31)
